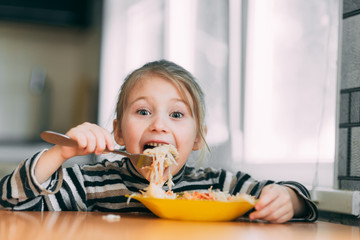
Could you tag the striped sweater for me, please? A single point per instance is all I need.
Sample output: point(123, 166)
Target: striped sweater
point(102, 187)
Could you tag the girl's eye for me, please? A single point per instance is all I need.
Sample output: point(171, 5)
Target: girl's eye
point(176, 115)
point(143, 112)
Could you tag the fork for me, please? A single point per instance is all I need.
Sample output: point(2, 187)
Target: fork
point(140, 160)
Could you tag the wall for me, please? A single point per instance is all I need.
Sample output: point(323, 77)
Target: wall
point(67, 57)
point(349, 127)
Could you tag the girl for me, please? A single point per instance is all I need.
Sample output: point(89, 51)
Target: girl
point(159, 103)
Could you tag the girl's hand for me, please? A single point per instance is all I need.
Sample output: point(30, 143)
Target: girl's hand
point(277, 204)
point(90, 138)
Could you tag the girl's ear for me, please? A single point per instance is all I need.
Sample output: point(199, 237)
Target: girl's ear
point(199, 141)
point(117, 133)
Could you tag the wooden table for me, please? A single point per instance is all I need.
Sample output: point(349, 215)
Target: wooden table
point(92, 225)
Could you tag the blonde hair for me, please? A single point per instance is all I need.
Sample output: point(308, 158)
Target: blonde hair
point(182, 79)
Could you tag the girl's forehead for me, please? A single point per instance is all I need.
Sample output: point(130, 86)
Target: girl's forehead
point(155, 84)
point(152, 82)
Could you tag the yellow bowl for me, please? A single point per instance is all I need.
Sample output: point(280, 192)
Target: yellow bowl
point(196, 210)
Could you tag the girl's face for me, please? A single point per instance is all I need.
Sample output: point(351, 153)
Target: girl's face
point(157, 113)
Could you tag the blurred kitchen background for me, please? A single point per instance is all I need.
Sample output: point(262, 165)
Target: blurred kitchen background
point(49, 71)
point(273, 72)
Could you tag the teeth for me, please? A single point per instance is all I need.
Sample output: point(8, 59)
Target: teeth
point(155, 144)
point(152, 145)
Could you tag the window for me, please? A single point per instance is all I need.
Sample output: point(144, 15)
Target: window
point(290, 88)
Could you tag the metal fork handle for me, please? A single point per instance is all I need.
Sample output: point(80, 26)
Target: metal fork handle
point(126, 154)
point(61, 139)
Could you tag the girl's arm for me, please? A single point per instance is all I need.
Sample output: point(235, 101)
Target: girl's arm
point(90, 138)
point(20, 191)
point(277, 201)
point(48, 163)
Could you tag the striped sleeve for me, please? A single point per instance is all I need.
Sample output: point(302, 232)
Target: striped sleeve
point(95, 187)
point(71, 196)
point(244, 183)
point(20, 190)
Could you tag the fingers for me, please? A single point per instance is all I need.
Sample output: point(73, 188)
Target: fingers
point(273, 213)
point(274, 205)
point(91, 138)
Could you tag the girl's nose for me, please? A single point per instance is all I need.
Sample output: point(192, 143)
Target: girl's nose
point(159, 124)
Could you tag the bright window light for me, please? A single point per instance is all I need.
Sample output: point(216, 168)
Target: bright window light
point(290, 95)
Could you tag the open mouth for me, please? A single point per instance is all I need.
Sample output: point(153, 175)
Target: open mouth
point(152, 145)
